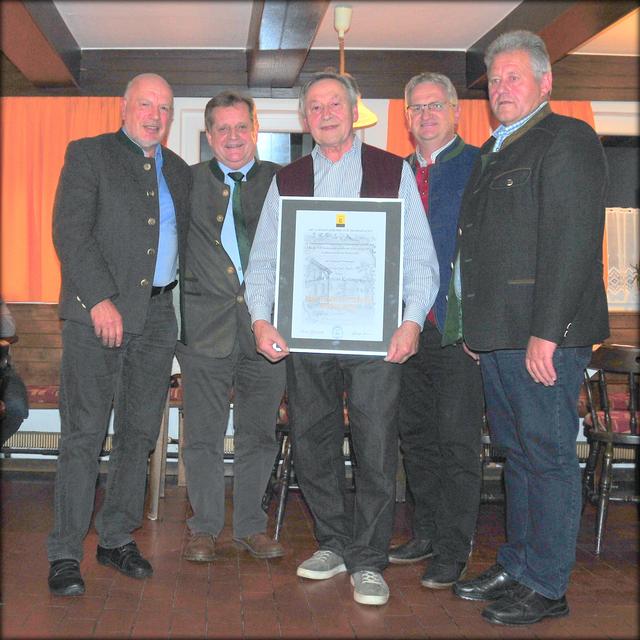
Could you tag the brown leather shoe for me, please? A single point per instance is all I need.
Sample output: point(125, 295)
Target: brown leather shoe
point(260, 545)
point(200, 548)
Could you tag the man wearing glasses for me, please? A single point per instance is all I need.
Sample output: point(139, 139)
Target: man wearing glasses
point(441, 394)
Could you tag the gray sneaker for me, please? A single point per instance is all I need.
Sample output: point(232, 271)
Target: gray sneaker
point(323, 564)
point(369, 588)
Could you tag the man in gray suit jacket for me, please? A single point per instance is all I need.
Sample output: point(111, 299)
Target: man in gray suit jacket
point(217, 353)
point(120, 221)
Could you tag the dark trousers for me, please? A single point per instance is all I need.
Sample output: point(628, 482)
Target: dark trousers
point(441, 407)
point(134, 379)
point(358, 531)
point(258, 385)
point(537, 426)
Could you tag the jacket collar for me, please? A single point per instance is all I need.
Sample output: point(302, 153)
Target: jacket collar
point(454, 149)
point(529, 124)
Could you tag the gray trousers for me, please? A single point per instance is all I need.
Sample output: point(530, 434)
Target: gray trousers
point(357, 530)
point(258, 387)
point(132, 378)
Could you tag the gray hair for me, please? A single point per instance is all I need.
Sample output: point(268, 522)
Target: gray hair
point(348, 82)
point(521, 41)
point(228, 99)
point(431, 78)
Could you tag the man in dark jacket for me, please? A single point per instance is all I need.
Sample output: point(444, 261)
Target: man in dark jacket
point(533, 304)
point(218, 353)
point(120, 222)
point(441, 400)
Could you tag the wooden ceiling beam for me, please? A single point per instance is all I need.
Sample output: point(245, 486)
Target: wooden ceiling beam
point(280, 35)
point(36, 40)
point(564, 25)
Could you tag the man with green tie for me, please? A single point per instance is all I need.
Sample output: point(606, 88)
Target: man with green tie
point(218, 352)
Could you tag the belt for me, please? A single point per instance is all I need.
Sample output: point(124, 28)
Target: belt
point(156, 291)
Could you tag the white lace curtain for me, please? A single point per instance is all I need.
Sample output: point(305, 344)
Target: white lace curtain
point(623, 254)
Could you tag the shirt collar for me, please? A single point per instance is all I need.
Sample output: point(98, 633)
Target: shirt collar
point(420, 158)
point(502, 132)
point(244, 169)
point(356, 148)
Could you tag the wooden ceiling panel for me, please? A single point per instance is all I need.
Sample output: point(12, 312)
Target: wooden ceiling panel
point(280, 36)
point(29, 49)
point(563, 25)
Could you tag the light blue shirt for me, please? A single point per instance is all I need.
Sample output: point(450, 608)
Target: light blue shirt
point(228, 231)
point(167, 257)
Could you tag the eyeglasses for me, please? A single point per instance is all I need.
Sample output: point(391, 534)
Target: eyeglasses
point(431, 106)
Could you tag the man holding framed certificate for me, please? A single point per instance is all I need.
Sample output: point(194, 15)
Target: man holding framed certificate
point(353, 539)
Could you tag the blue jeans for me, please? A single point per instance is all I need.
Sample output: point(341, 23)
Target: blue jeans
point(134, 379)
point(537, 427)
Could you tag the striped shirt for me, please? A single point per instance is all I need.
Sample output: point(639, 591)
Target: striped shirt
point(342, 179)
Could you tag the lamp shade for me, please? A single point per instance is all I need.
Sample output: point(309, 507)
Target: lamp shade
point(366, 117)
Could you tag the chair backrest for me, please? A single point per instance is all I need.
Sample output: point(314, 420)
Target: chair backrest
point(614, 410)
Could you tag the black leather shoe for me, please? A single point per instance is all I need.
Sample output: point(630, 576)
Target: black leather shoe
point(442, 573)
point(522, 605)
point(126, 559)
point(412, 551)
point(65, 578)
point(492, 584)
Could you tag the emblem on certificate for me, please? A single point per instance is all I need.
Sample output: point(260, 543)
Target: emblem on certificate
point(339, 274)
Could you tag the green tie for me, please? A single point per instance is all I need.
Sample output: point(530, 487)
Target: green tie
point(242, 237)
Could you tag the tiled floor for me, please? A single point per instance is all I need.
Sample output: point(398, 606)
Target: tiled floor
point(239, 597)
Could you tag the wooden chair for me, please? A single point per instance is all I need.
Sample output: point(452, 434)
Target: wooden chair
point(611, 424)
point(158, 458)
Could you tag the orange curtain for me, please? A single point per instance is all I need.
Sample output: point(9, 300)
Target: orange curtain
point(34, 136)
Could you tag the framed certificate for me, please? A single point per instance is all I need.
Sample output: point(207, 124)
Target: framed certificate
point(339, 274)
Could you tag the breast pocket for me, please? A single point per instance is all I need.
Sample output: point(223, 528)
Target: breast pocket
point(511, 179)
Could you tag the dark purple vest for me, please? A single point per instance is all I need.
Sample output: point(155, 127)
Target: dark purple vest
point(381, 173)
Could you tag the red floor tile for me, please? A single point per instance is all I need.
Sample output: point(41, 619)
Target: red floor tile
point(239, 597)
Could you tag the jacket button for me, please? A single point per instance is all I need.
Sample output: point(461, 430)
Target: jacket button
point(84, 306)
point(151, 221)
point(509, 182)
point(225, 192)
point(239, 299)
point(146, 166)
point(452, 265)
point(144, 282)
point(231, 270)
point(219, 217)
point(459, 231)
point(151, 193)
point(151, 252)
point(216, 242)
point(78, 299)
